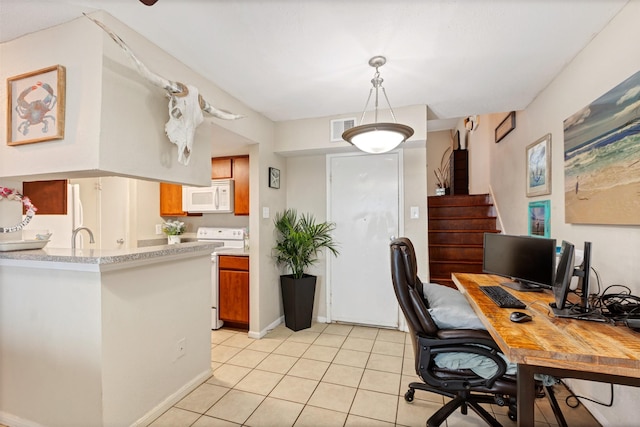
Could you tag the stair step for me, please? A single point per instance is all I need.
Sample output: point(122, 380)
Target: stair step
point(455, 252)
point(463, 223)
point(471, 211)
point(459, 200)
point(474, 237)
point(444, 269)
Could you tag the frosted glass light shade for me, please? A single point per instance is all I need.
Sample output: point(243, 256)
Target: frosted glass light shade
point(377, 137)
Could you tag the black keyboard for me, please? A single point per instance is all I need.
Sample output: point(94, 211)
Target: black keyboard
point(501, 297)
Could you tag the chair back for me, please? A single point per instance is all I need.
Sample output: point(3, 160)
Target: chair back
point(408, 290)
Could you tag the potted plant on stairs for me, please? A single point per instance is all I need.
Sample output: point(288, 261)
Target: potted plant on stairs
point(298, 243)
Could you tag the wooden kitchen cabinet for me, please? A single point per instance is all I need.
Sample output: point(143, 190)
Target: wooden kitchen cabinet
point(241, 185)
point(221, 168)
point(50, 197)
point(233, 289)
point(171, 200)
point(236, 168)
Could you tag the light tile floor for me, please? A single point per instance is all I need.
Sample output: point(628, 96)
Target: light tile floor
point(327, 375)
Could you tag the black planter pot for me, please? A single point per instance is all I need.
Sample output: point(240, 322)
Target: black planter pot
point(297, 299)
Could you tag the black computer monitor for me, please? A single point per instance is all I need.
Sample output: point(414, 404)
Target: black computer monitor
point(583, 273)
point(563, 276)
point(561, 286)
point(529, 261)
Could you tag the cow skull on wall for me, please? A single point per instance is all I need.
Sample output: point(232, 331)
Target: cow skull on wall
point(185, 103)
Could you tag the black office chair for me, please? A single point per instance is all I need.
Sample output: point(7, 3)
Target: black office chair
point(463, 386)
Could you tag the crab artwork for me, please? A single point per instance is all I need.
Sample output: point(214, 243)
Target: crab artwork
point(35, 111)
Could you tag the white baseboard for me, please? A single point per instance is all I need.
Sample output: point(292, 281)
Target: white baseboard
point(166, 404)
point(262, 333)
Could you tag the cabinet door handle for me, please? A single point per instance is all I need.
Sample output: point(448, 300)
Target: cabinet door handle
point(120, 241)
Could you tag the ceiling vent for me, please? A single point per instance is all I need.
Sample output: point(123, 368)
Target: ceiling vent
point(339, 126)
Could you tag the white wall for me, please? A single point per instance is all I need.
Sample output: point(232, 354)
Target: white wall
point(51, 347)
point(114, 118)
point(309, 136)
point(90, 348)
point(608, 60)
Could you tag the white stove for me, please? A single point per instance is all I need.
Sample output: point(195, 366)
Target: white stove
point(231, 238)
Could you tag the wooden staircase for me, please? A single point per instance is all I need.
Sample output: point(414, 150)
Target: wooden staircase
point(456, 231)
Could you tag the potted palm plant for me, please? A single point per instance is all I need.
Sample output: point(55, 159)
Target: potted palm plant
point(298, 243)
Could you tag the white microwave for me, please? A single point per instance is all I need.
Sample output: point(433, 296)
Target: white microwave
point(215, 199)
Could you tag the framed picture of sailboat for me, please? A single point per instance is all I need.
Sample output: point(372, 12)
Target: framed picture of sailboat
point(602, 158)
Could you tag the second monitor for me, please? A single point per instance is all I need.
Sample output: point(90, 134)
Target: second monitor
point(529, 261)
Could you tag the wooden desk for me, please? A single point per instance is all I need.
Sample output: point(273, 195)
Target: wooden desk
point(564, 348)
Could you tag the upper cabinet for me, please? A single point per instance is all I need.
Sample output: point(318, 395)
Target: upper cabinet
point(171, 200)
point(236, 168)
point(221, 168)
point(241, 178)
point(50, 197)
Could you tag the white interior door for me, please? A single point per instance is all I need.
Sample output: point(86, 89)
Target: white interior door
point(364, 202)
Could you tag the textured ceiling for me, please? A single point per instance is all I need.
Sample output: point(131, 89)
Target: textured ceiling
point(301, 59)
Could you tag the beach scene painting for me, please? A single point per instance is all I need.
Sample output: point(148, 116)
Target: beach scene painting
point(602, 158)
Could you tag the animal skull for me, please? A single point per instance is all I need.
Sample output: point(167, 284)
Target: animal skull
point(184, 117)
point(185, 103)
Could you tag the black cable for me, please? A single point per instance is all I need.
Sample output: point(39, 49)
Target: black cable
point(597, 280)
point(572, 395)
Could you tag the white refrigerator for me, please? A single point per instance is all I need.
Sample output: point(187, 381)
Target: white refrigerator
point(61, 226)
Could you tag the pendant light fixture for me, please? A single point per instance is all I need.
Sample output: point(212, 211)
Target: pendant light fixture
point(377, 137)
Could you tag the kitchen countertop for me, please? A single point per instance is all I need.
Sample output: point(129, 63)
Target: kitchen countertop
point(232, 251)
point(50, 257)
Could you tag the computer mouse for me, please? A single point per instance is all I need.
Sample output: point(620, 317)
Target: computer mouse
point(520, 317)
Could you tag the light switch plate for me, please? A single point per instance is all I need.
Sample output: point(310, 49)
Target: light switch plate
point(415, 212)
point(265, 212)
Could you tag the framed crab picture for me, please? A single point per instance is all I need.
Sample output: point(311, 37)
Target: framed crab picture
point(35, 110)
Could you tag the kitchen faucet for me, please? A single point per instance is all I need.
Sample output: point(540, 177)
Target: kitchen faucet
point(75, 233)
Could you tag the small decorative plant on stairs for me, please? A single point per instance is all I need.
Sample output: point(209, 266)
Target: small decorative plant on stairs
point(443, 173)
point(299, 242)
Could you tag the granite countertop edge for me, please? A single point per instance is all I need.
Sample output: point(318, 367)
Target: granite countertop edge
point(104, 257)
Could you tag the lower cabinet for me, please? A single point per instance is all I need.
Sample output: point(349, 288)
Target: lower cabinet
point(233, 289)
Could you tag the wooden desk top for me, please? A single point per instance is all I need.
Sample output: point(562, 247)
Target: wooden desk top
point(550, 341)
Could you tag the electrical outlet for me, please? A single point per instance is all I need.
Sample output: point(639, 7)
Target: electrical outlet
point(181, 348)
point(158, 228)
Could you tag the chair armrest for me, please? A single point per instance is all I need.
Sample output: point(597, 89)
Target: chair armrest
point(463, 333)
point(430, 347)
point(477, 336)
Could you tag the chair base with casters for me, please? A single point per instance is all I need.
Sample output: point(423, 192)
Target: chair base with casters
point(464, 400)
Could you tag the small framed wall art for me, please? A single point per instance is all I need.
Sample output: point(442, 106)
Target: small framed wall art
point(506, 126)
point(540, 218)
point(274, 178)
point(36, 106)
point(539, 167)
